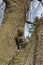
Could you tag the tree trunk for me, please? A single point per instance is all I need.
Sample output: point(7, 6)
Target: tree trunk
point(14, 17)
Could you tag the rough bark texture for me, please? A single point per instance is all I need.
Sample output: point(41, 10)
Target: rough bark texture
point(32, 53)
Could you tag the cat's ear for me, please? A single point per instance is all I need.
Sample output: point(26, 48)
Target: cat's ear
point(41, 1)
